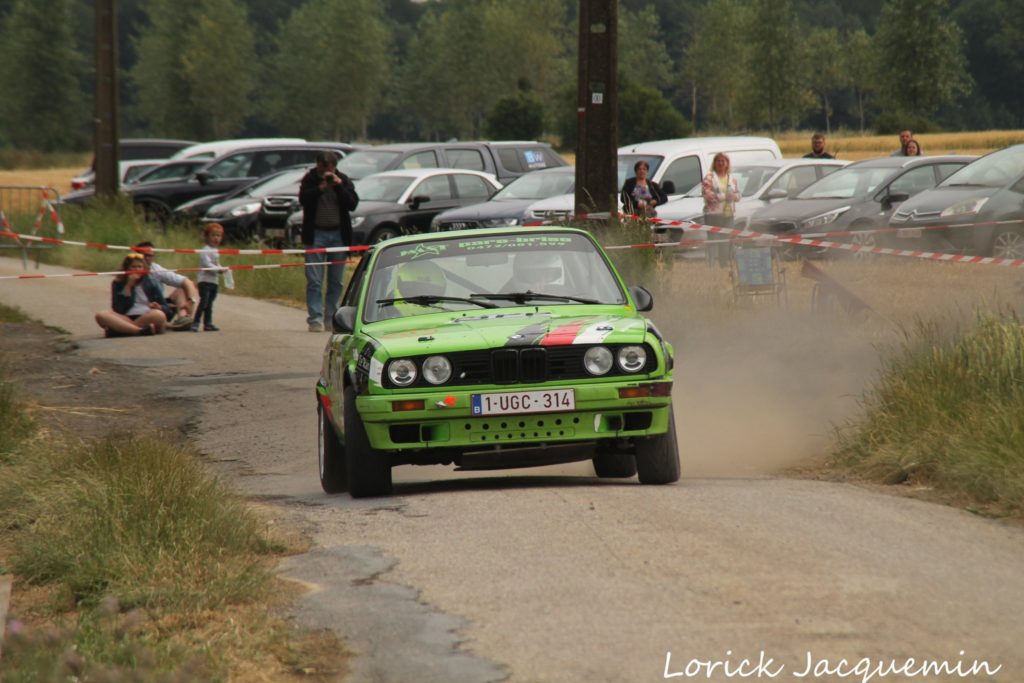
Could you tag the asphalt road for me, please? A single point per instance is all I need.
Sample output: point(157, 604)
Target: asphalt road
point(554, 575)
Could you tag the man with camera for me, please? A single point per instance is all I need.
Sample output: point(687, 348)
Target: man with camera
point(327, 197)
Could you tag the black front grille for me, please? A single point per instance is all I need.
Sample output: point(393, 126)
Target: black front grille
point(525, 365)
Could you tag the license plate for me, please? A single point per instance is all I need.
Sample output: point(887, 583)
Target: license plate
point(909, 233)
point(517, 402)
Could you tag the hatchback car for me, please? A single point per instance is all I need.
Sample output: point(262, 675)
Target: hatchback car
point(984, 199)
point(396, 203)
point(861, 196)
point(493, 349)
point(239, 211)
point(509, 206)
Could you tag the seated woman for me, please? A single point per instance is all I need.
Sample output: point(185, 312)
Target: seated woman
point(138, 307)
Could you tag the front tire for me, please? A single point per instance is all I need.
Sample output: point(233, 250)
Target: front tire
point(369, 471)
point(331, 454)
point(384, 233)
point(1008, 244)
point(612, 464)
point(657, 457)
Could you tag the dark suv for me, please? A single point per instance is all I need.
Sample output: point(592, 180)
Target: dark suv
point(133, 149)
point(505, 160)
point(226, 173)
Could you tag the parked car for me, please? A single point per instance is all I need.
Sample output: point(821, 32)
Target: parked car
point(676, 165)
point(498, 348)
point(504, 160)
point(395, 203)
point(761, 184)
point(860, 196)
point(170, 170)
point(508, 206)
point(986, 197)
point(217, 148)
point(224, 174)
point(129, 172)
point(239, 211)
point(132, 149)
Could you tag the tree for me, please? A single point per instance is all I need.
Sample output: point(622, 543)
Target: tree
point(829, 73)
point(921, 56)
point(861, 67)
point(643, 57)
point(776, 92)
point(715, 61)
point(333, 65)
point(517, 117)
point(193, 81)
point(645, 114)
point(42, 107)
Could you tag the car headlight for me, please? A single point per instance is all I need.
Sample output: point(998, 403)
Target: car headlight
point(598, 360)
point(632, 358)
point(825, 218)
point(246, 209)
point(499, 222)
point(357, 221)
point(402, 372)
point(437, 369)
point(965, 208)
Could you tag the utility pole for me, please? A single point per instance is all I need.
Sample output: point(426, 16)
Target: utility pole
point(597, 107)
point(106, 140)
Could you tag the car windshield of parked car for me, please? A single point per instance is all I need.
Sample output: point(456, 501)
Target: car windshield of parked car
point(364, 162)
point(279, 183)
point(175, 170)
point(464, 273)
point(853, 181)
point(627, 161)
point(998, 169)
point(382, 188)
point(537, 186)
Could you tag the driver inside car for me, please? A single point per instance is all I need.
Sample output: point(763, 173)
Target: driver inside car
point(416, 278)
point(537, 272)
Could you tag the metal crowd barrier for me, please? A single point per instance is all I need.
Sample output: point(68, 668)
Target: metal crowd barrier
point(31, 209)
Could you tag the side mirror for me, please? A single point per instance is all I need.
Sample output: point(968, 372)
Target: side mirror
point(416, 200)
point(344, 320)
point(642, 298)
point(777, 193)
point(668, 187)
point(203, 177)
point(895, 198)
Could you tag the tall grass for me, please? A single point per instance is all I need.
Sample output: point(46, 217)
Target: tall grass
point(948, 411)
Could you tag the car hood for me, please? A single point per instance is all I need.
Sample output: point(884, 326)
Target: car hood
point(801, 209)
point(502, 208)
point(496, 328)
point(941, 198)
point(684, 209)
point(221, 206)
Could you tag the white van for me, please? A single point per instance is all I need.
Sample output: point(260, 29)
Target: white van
point(211, 150)
point(676, 165)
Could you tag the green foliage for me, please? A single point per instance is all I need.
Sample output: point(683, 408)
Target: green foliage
point(643, 57)
point(716, 60)
point(517, 117)
point(42, 107)
point(892, 122)
point(331, 70)
point(196, 68)
point(645, 114)
point(830, 74)
point(928, 47)
point(948, 410)
point(14, 423)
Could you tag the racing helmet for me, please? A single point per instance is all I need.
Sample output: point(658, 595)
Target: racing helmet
point(537, 269)
point(419, 278)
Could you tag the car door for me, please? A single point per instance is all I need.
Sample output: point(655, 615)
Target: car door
point(471, 189)
point(438, 192)
point(470, 158)
point(914, 180)
point(683, 172)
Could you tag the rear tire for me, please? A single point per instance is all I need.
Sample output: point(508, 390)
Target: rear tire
point(369, 470)
point(1008, 243)
point(657, 457)
point(613, 464)
point(331, 454)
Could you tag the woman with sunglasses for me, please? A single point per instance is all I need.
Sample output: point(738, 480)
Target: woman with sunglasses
point(138, 307)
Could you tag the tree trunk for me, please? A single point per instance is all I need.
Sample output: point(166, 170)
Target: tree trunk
point(693, 104)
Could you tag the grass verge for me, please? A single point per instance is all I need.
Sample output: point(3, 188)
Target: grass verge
point(948, 412)
point(131, 562)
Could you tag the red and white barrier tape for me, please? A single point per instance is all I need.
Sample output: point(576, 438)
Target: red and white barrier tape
point(7, 232)
point(261, 266)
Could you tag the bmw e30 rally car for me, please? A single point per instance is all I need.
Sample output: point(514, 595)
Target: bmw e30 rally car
point(493, 349)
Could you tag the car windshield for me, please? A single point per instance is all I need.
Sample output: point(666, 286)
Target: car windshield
point(454, 274)
point(852, 181)
point(279, 183)
point(362, 163)
point(537, 186)
point(627, 161)
point(382, 188)
point(995, 170)
point(175, 170)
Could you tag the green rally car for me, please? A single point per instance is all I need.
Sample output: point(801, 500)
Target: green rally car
point(493, 349)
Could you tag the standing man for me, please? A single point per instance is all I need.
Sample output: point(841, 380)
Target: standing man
point(905, 136)
point(184, 294)
point(818, 148)
point(327, 197)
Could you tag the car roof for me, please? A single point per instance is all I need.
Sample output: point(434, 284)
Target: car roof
point(426, 172)
point(783, 163)
point(900, 162)
point(714, 144)
point(326, 146)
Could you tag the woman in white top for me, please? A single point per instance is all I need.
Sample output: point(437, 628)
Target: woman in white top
point(721, 192)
